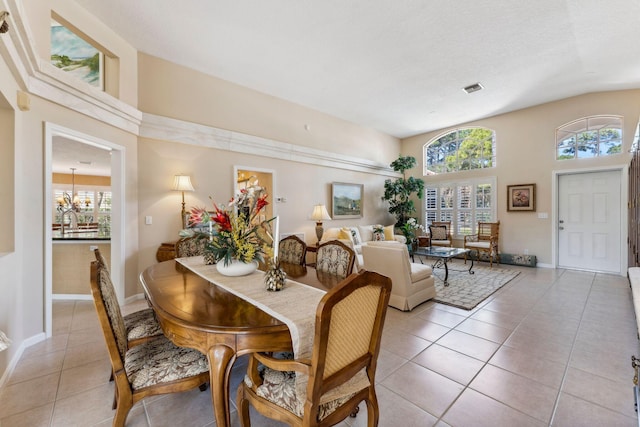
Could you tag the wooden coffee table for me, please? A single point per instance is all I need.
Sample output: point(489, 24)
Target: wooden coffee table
point(442, 255)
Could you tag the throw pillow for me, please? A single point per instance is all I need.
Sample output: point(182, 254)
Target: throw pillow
point(438, 232)
point(355, 236)
point(378, 233)
point(388, 232)
point(345, 234)
point(366, 233)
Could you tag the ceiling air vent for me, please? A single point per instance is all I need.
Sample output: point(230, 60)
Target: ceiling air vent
point(473, 88)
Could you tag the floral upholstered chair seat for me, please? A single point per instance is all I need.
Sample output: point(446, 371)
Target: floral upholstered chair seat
point(292, 249)
point(334, 257)
point(190, 246)
point(141, 324)
point(279, 387)
point(160, 361)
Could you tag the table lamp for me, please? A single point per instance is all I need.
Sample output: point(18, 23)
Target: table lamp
point(320, 214)
point(183, 183)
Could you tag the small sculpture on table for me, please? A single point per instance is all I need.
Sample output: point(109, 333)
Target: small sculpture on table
point(275, 276)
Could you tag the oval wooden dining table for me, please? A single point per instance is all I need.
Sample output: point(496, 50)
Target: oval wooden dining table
point(196, 313)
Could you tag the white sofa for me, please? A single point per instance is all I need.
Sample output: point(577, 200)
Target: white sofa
point(358, 236)
point(411, 284)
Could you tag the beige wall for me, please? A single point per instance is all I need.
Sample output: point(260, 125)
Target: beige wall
point(177, 92)
point(525, 153)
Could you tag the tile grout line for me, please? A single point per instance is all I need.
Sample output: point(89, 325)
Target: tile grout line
point(573, 343)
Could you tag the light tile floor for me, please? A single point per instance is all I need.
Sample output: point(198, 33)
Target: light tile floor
point(552, 347)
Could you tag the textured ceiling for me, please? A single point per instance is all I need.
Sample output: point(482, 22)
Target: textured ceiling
point(396, 66)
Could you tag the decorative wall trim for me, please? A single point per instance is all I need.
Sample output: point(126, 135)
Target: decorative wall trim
point(174, 130)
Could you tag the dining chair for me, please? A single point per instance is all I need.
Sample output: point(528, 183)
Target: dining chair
point(140, 325)
point(292, 249)
point(190, 246)
point(484, 240)
point(341, 371)
point(154, 367)
point(440, 233)
point(335, 257)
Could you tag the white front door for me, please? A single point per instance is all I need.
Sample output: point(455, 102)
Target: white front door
point(589, 221)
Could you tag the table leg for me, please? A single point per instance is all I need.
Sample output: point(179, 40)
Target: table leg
point(446, 272)
point(471, 268)
point(221, 358)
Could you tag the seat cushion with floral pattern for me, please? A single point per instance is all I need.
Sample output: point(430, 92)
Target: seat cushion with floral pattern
point(160, 361)
point(279, 387)
point(334, 259)
point(141, 324)
point(292, 251)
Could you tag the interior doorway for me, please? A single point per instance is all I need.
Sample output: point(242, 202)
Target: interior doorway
point(590, 220)
point(55, 132)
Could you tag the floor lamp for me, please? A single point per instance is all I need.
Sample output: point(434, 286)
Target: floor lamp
point(183, 183)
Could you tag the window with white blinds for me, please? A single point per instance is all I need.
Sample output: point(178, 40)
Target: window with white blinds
point(94, 205)
point(462, 203)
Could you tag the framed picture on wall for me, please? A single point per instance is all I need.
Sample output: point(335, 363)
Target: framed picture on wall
point(346, 200)
point(521, 197)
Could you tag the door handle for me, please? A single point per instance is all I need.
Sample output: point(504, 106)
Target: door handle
point(560, 228)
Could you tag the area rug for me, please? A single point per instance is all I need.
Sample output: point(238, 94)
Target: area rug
point(468, 290)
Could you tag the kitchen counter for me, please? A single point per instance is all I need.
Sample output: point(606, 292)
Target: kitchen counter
point(80, 235)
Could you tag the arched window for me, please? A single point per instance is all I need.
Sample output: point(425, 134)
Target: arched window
point(462, 149)
point(589, 137)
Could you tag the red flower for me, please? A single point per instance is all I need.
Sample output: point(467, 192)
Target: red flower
point(222, 219)
point(261, 203)
point(196, 216)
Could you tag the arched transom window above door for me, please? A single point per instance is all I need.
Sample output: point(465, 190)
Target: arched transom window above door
point(589, 137)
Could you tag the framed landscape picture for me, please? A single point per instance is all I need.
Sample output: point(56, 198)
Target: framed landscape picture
point(70, 53)
point(521, 197)
point(346, 200)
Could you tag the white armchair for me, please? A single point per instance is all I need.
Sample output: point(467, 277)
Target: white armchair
point(411, 284)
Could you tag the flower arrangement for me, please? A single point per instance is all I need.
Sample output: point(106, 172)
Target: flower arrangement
point(409, 228)
point(235, 230)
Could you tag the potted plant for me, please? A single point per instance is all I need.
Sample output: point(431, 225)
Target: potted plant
point(398, 192)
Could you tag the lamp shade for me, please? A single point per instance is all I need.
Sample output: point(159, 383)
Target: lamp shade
point(320, 213)
point(182, 183)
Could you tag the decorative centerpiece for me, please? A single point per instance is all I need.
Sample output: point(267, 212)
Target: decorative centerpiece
point(238, 239)
point(275, 276)
point(408, 230)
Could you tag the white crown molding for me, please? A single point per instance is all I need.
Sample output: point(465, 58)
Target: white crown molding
point(174, 130)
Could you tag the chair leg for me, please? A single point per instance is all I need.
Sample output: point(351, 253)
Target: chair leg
point(243, 407)
point(121, 413)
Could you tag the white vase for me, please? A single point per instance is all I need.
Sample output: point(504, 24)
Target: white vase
point(236, 268)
